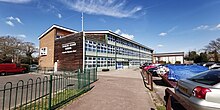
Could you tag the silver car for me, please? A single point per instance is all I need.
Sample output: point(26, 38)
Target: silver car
point(201, 91)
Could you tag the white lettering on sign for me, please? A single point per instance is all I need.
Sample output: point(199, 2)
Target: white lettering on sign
point(68, 47)
point(71, 51)
point(69, 44)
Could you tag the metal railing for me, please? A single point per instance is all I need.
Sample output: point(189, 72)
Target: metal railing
point(148, 79)
point(172, 97)
point(46, 92)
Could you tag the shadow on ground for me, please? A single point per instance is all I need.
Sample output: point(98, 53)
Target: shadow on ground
point(160, 82)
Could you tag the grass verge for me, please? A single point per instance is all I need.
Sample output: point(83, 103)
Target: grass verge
point(57, 100)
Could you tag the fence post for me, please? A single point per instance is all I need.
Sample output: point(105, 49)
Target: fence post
point(88, 79)
point(50, 92)
point(148, 78)
point(78, 77)
point(151, 82)
point(168, 105)
point(84, 78)
point(94, 74)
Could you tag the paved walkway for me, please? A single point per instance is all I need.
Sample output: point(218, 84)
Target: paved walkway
point(115, 90)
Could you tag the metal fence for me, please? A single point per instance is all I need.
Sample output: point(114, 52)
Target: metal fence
point(174, 102)
point(46, 92)
point(148, 79)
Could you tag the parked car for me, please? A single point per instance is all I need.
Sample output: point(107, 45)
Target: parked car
point(208, 64)
point(144, 65)
point(10, 68)
point(33, 67)
point(161, 70)
point(146, 68)
point(215, 66)
point(153, 71)
point(202, 91)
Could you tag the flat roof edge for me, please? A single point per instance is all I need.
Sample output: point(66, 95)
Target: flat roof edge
point(110, 32)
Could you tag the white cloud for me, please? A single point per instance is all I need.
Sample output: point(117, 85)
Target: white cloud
point(118, 31)
point(128, 36)
point(102, 20)
point(12, 20)
point(218, 27)
point(114, 8)
point(18, 20)
point(201, 27)
point(17, 35)
point(208, 27)
point(16, 1)
point(163, 34)
point(172, 29)
point(10, 23)
point(22, 35)
point(169, 31)
point(159, 45)
point(59, 15)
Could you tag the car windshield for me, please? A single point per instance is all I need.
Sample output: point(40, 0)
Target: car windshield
point(208, 77)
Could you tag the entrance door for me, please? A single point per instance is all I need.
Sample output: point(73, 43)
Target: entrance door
point(119, 65)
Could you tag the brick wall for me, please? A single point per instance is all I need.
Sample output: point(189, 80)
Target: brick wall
point(47, 41)
point(66, 59)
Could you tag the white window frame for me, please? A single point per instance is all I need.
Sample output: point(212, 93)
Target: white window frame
point(43, 51)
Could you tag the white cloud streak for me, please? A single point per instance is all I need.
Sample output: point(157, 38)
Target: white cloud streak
point(201, 27)
point(169, 31)
point(22, 35)
point(16, 1)
point(59, 15)
point(218, 27)
point(10, 23)
point(129, 36)
point(102, 20)
point(12, 20)
point(172, 29)
point(114, 8)
point(208, 27)
point(159, 45)
point(163, 34)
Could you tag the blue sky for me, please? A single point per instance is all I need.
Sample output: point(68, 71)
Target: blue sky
point(163, 25)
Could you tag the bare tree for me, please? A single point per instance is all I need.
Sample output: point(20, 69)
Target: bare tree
point(214, 45)
point(29, 48)
point(12, 49)
point(214, 48)
point(9, 48)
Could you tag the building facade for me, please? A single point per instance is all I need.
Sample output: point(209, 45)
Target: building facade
point(47, 44)
point(172, 58)
point(90, 49)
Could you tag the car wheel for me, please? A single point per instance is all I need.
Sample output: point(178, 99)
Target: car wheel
point(23, 72)
point(3, 73)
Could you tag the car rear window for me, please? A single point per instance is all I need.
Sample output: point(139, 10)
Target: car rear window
point(209, 77)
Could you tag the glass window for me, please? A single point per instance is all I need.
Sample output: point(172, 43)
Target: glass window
point(211, 77)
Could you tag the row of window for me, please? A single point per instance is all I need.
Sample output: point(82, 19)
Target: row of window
point(135, 62)
point(104, 48)
point(105, 61)
point(99, 61)
point(124, 42)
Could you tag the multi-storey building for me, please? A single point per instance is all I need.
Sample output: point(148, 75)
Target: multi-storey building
point(69, 49)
